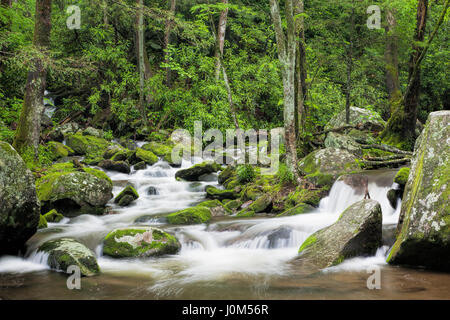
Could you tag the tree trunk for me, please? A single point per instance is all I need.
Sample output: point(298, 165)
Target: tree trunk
point(167, 32)
point(286, 45)
point(29, 128)
point(301, 71)
point(391, 57)
point(140, 56)
point(6, 3)
point(221, 38)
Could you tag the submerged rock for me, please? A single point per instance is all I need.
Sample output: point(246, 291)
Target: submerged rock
point(140, 243)
point(65, 252)
point(358, 232)
point(424, 224)
point(195, 172)
point(19, 205)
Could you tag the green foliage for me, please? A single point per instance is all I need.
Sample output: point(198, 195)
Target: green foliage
point(285, 175)
point(245, 173)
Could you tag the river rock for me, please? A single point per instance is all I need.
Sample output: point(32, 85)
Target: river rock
point(65, 252)
point(74, 191)
point(195, 172)
point(358, 232)
point(194, 215)
point(90, 146)
point(119, 166)
point(19, 205)
point(140, 243)
point(126, 196)
point(90, 131)
point(358, 182)
point(218, 194)
point(370, 120)
point(146, 156)
point(424, 224)
point(342, 141)
point(322, 167)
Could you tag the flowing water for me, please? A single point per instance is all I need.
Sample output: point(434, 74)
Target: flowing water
point(227, 259)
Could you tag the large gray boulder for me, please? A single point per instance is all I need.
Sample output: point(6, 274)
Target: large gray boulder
point(424, 224)
point(65, 252)
point(369, 120)
point(358, 232)
point(19, 205)
point(322, 167)
point(342, 141)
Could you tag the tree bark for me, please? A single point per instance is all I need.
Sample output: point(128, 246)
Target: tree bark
point(349, 69)
point(286, 45)
point(140, 56)
point(301, 70)
point(167, 32)
point(29, 128)
point(391, 57)
point(221, 30)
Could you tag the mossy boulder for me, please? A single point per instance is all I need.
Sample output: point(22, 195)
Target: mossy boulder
point(140, 166)
point(369, 120)
point(194, 215)
point(19, 204)
point(158, 148)
point(226, 174)
point(322, 167)
point(233, 205)
point(424, 225)
point(146, 156)
point(112, 150)
point(53, 216)
point(59, 150)
point(393, 195)
point(140, 243)
point(91, 131)
point(307, 196)
point(262, 204)
point(89, 146)
point(342, 141)
point(401, 178)
point(195, 172)
point(126, 196)
point(42, 222)
point(74, 191)
point(215, 207)
point(68, 252)
point(214, 193)
point(358, 232)
point(118, 166)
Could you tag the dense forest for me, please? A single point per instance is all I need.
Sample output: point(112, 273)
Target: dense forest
point(98, 88)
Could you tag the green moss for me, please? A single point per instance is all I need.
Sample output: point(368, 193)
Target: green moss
point(233, 205)
point(128, 191)
point(98, 173)
point(42, 222)
point(214, 193)
point(53, 216)
point(210, 204)
point(320, 179)
point(195, 215)
point(402, 177)
point(246, 213)
point(147, 156)
point(308, 242)
point(301, 208)
point(59, 150)
point(90, 146)
point(159, 149)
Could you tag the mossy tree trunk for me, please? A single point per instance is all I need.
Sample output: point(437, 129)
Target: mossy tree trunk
point(391, 57)
point(348, 89)
point(167, 33)
point(28, 131)
point(286, 45)
point(300, 65)
point(140, 56)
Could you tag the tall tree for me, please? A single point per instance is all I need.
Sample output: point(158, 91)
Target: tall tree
point(286, 45)
point(28, 131)
point(391, 56)
point(167, 33)
point(220, 41)
point(348, 89)
point(140, 56)
point(402, 123)
point(300, 69)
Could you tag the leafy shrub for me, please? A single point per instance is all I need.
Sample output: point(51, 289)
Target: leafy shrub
point(245, 173)
point(285, 175)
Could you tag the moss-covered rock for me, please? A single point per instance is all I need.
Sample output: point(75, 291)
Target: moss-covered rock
point(140, 166)
point(140, 243)
point(147, 156)
point(424, 224)
point(311, 197)
point(90, 131)
point(126, 196)
point(195, 215)
point(322, 167)
point(53, 216)
point(393, 195)
point(370, 120)
point(68, 252)
point(401, 178)
point(358, 232)
point(111, 151)
point(74, 191)
point(215, 207)
point(158, 148)
point(262, 204)
point(89, 146)
point(345, 142)
point(233, 205)
point(59, 150)
point(195, 172)
point(42, 222)
point(19, 205)
point(226, 174)
point(119, 166)
point(214, 193)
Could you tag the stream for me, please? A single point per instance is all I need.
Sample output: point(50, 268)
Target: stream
point(228, 259)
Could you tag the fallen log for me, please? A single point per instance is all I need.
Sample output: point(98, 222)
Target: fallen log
point(396, 157)
point(378, 164)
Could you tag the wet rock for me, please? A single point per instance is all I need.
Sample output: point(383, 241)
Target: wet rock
point(393, 195)
point(126, 196)
point(59, 150)
point(298, 209)
point(401, 178)
point(65, 252)
point(119, 166)
point(215, 207)
point(195, 215)
point(214, 193)
point(152, 191)
point(345, 142)
point(358, 182)
point(90, 146)
point(281, 233)
point(159, 149)
point(226, 174)
point(42, 222)
point(389, 234)
point(194, 173)
point(140, 166)
point(358, 232)
point(147, 156)
point(423, 230)
point(140, 243)
point(19, 205)
point(262, 204)
point(53, 216)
